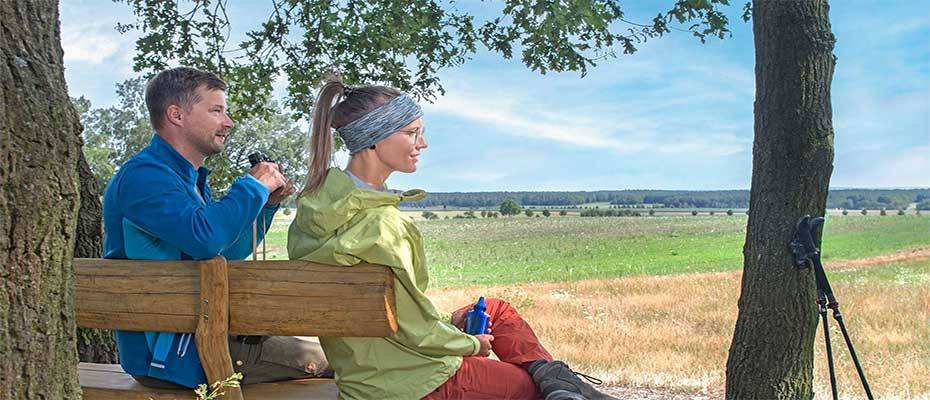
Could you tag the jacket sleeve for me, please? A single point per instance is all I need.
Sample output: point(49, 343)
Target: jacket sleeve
point(243, 245)
point(420, 326)
point(426, 333)
point(151, 197)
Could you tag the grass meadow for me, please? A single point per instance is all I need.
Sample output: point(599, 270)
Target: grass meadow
point(651, 301)
point(674, 331)
point(505, 251)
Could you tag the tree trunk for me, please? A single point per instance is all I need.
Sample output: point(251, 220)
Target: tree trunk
point(93, 345)
point(771, 356)
point(88, 241)
point(39, 148)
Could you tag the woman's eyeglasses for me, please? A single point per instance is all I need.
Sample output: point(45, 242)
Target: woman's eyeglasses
point(416, 133)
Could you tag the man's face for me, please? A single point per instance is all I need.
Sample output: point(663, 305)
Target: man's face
point(207, 123)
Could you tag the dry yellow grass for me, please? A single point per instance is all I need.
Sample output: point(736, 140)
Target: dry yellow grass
point(675, 331)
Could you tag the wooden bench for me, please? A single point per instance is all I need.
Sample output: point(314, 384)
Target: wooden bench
point(216, 298)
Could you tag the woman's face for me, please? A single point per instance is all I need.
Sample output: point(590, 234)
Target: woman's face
point(400, 150)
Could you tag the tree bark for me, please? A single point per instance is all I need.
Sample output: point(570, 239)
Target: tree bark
point(39, 148)
point(771, 356)
point(93, 345)
point(88, 242)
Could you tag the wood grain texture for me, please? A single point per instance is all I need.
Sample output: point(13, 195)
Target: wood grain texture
point(212, 334)
point(296, 298)
point(216, 298)
point(137, 295)
point(301, 298)
point(109, 382)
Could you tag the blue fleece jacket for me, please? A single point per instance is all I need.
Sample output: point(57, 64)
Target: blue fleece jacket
point(158, 207)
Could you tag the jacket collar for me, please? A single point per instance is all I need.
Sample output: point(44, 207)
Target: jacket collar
point(163, 150)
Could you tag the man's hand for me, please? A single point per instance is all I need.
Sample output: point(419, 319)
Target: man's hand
point(485, 341)
point(279, 195)
point(269, 175)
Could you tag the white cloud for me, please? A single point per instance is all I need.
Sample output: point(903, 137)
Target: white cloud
point(552, 125)
point(907, 168)
point(483, 177)
point(709, 148)
point(623, 129)
point(89, 44)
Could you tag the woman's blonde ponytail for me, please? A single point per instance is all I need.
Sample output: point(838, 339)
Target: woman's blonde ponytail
point(321, 137)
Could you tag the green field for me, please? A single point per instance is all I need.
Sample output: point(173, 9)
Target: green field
point(895, 274)
point(505, 251)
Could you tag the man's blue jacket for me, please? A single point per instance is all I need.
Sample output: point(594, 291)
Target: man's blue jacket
point(158, 207)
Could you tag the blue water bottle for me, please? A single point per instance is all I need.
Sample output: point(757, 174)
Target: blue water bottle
point(476, 320)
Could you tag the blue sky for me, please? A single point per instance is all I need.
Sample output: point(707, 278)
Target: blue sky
point(675, 115)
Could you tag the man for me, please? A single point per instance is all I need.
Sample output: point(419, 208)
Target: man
point(159, 206)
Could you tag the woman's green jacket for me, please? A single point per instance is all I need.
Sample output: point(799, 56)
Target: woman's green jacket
point(341, 224)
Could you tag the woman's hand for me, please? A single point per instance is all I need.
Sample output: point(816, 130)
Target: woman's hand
point(458, 318)
point(485, 340)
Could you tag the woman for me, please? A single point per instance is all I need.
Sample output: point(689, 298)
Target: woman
point(348, 217)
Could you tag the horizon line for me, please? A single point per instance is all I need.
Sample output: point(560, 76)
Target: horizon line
point(676, 190)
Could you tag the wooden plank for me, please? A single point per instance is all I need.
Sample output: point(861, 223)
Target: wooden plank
point(109, 382)
point(137, 321)
point(136, 295)
point(296, 298)
point(302, 389)
point(301, 298)
point(212, 334)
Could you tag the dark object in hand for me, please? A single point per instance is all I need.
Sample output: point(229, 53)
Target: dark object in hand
point(258, 157)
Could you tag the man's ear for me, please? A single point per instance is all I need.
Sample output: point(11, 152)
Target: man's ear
point(174, 115)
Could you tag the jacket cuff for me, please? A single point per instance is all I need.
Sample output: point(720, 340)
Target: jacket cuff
point(253, 181)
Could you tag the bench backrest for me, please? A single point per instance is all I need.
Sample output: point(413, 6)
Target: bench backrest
point(295, 298)
point(215, 298)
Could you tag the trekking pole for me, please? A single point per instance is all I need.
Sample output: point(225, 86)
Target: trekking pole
point(822, 309)
point(824, 286)
point(852, 352)
point(822, 305)
point(807, 255)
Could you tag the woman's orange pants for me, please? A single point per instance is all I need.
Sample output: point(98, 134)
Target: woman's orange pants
point(515, 345)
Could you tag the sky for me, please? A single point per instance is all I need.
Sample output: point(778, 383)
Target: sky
point(675, 115)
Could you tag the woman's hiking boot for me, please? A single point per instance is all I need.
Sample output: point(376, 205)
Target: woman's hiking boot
point(564, 395)
point(557, 381)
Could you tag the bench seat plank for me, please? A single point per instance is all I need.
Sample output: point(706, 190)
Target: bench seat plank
point(109, 382)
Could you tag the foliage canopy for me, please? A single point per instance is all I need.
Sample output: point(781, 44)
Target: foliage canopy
point(400, 43)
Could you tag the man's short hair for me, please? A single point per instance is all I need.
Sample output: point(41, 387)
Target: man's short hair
point(177, 86)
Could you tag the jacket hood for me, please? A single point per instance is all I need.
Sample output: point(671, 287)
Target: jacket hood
point(338, 201)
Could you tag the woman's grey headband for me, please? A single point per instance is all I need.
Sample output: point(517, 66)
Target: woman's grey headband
point(380, 123)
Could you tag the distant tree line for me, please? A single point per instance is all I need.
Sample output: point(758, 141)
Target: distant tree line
point(609, 213)
point(876, 199)
point(841, 198)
